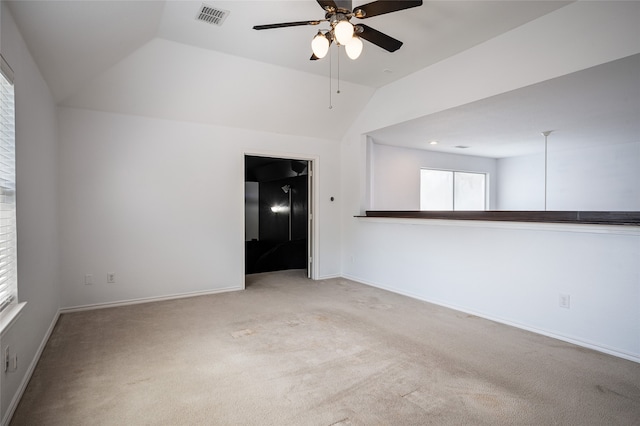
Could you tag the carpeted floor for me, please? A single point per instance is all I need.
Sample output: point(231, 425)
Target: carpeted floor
point(289, 351)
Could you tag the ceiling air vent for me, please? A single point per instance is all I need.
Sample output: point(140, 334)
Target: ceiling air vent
point(212, 15)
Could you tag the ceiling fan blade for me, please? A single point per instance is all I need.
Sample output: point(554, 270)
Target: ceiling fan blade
point(285, 24)
point(381, 7)
point(343, 6)
point(388, 43)
point(328, 5)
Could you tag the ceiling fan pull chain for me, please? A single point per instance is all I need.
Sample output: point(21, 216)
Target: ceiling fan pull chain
point(338, 70)
point(330, 91)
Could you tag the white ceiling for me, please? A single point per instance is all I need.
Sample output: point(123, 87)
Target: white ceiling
point(596, 106)
point(430, 33)
point(74, 42)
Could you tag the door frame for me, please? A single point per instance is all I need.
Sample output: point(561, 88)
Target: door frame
point(312, 205)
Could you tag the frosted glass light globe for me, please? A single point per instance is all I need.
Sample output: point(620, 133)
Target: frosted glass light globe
point(343, 32)
point(354, 47)
point(320, 45)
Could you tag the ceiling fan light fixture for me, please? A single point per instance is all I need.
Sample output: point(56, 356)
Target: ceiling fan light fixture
point(354, 47)
point(320, 45)
point(338, 14)
point(343, 32)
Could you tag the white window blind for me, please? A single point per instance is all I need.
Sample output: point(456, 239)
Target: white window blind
point(8, 263)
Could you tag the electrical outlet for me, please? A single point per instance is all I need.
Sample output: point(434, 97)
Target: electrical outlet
point(565, 301)
point(88, 279)
point(111, 277)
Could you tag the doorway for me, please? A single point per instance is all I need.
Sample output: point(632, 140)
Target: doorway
point(277, 214)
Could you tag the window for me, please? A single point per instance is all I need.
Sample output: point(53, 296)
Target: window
point(452, 190)
point(8, 269)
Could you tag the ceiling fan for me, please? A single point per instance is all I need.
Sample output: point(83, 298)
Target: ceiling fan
point(338, 14)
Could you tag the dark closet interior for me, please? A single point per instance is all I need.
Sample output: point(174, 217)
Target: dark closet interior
point(276, 214)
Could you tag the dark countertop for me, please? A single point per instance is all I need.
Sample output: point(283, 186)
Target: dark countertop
point(626, 218)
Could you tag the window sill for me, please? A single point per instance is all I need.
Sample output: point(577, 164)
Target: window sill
point(9, 316)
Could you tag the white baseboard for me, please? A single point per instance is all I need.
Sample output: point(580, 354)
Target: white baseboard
point(329, 277)
point(32, 366)
point(146, 300)
point(569, 339)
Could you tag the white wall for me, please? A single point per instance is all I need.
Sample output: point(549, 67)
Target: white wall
point(36, 171)
point(221, 89)
point(395, 174)
point(521, 183)
point(511, 274)
point(161, 204)
point(595, 178)
point(514, 274)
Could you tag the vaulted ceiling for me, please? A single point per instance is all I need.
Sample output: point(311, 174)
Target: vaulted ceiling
point(153, 58)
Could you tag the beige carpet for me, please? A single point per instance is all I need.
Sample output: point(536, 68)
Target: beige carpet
point(289, 351)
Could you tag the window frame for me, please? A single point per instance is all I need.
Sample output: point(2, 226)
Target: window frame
point(9, 306)
point(453, 187)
